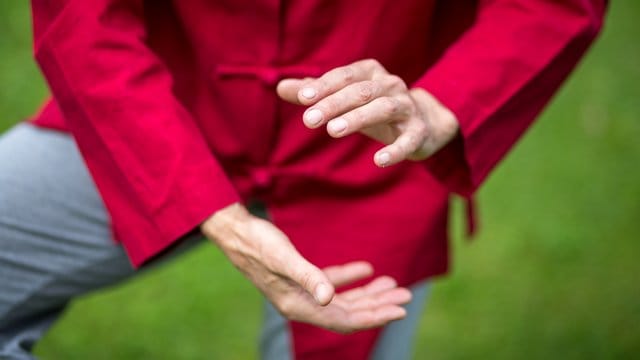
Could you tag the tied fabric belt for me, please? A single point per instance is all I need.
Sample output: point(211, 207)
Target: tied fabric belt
point(268, 74)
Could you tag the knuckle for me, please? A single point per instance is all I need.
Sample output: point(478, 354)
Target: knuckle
point(329, 106)
point(323, 85)
point(412, 143)
point(371, 63)
point(396, 82)
point(406, 105)
point(390, 106)
point(366, 91)
point(347, 74)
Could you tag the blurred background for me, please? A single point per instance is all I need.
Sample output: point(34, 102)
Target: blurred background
point(553, 274)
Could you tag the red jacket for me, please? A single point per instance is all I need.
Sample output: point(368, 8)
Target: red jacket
point(174, 108)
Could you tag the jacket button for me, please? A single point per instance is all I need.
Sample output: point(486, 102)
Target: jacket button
point(261, 177)
point(269, 76)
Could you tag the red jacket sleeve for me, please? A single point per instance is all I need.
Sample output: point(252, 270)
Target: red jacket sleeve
point(152, 166)
point(500, 73)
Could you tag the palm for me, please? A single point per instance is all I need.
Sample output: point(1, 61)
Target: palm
point(359, 308)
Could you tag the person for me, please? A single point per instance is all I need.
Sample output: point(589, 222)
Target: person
point(183, 113)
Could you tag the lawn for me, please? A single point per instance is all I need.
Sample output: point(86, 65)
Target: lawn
point(553, 274)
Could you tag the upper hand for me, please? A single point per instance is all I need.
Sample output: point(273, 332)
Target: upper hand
point(297, 288)
point(364, 97)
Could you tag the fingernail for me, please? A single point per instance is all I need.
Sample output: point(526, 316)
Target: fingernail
point(337, 125)
point(384, 158)
point(313, 117)
point(322, 293)
point(309, 93)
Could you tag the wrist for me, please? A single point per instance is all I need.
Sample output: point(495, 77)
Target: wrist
point(224, 221)
point(443, 124)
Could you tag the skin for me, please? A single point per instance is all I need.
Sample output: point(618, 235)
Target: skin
point(361, 97)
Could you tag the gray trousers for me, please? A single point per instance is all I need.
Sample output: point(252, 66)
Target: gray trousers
point(55, 245)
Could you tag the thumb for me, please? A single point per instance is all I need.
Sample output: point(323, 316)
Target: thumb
point(285, 260)
point(310, 278)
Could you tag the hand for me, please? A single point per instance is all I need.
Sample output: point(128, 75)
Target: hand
point(364, 97)
point(297, 288)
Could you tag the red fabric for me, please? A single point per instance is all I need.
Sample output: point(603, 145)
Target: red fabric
point(173, 106)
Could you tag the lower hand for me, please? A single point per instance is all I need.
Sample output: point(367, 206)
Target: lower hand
point(297, 288)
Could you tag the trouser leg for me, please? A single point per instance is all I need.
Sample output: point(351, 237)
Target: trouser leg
point(394, 343)
point(55, 244)
point(17, 340)
point(55, 239)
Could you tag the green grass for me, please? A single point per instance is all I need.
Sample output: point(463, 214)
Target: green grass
point(553, 274)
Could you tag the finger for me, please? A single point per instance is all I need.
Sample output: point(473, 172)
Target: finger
point(407, 143)
point(396, 296)
point(379, 111)
point(359, 94)
point(341, 317)
point(346, 320)
point(340, 275)
point(342, 101)
point(288, 89)
point(379, 284)
point(337, 79)
point(367, 319)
